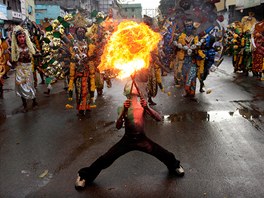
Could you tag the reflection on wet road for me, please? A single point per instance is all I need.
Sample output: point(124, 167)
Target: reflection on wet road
point(215, 116)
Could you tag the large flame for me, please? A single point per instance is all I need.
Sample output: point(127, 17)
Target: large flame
point(128, 49)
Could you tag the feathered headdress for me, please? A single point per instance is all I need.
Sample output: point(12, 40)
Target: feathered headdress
point(79, 20)
point(14, 46)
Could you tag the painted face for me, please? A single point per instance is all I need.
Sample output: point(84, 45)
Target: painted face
point(189, 29)
point(80, 33)
point(21, 38)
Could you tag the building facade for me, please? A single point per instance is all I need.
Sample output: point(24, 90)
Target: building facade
point(131, 11)
point(10, 15)
point(28, 9)
point(51, 12)
point(87, 5)
point(105, 5)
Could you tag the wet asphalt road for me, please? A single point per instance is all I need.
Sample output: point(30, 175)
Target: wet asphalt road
point(218, 137)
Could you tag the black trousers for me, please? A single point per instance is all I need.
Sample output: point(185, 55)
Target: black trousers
point(129, 142)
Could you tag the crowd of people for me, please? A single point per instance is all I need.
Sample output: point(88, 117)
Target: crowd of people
point(195, 42)
point(244, 42)
point(69, 48)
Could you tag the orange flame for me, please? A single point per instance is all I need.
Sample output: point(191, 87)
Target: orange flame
point(128, 49)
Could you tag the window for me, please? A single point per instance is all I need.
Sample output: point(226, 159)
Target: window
point(30, 9)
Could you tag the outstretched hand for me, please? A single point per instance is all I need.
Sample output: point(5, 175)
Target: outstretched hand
point(127, 103)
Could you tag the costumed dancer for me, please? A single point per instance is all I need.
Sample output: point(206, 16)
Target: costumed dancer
point(93, 63)
point(132, 115)
point(82, 75)
point(51, 68)
point(94, 54)
point(79, 72)
point(209, 60)
point(188, 43)
point(2, 69)
point(219, 48)
point(55, 50)
point(95, 47)
point(237, 47)
point(5, 44)
point(247, 24)
point(258, 50)
point(22, 57)
point(34, 37)
point(228, 44)
point(155, 69)
point(154, 76)
point(98, 34)
point(168, 47)
point(205, 57)
point(38, 35)
point(179, 56)
point(178, 63)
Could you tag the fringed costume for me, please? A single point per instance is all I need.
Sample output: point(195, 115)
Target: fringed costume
point(258, 50)
point(188, 45)
point(22, 56)
point(81, 75)
point(154, 77)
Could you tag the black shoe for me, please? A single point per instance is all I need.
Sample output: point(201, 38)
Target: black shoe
point(201, 90)
point(81, 113)
point(179, 171)
point(24, 110)
point(80, 183)
point(47, 93)
point(35, 105)
point(201, 87)
point(100, 92)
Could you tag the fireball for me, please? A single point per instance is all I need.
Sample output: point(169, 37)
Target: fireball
point(129, 49)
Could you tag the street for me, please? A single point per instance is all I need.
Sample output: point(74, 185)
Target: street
point(218, 137)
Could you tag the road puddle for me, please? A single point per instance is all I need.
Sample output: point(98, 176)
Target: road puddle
point(213, 116)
